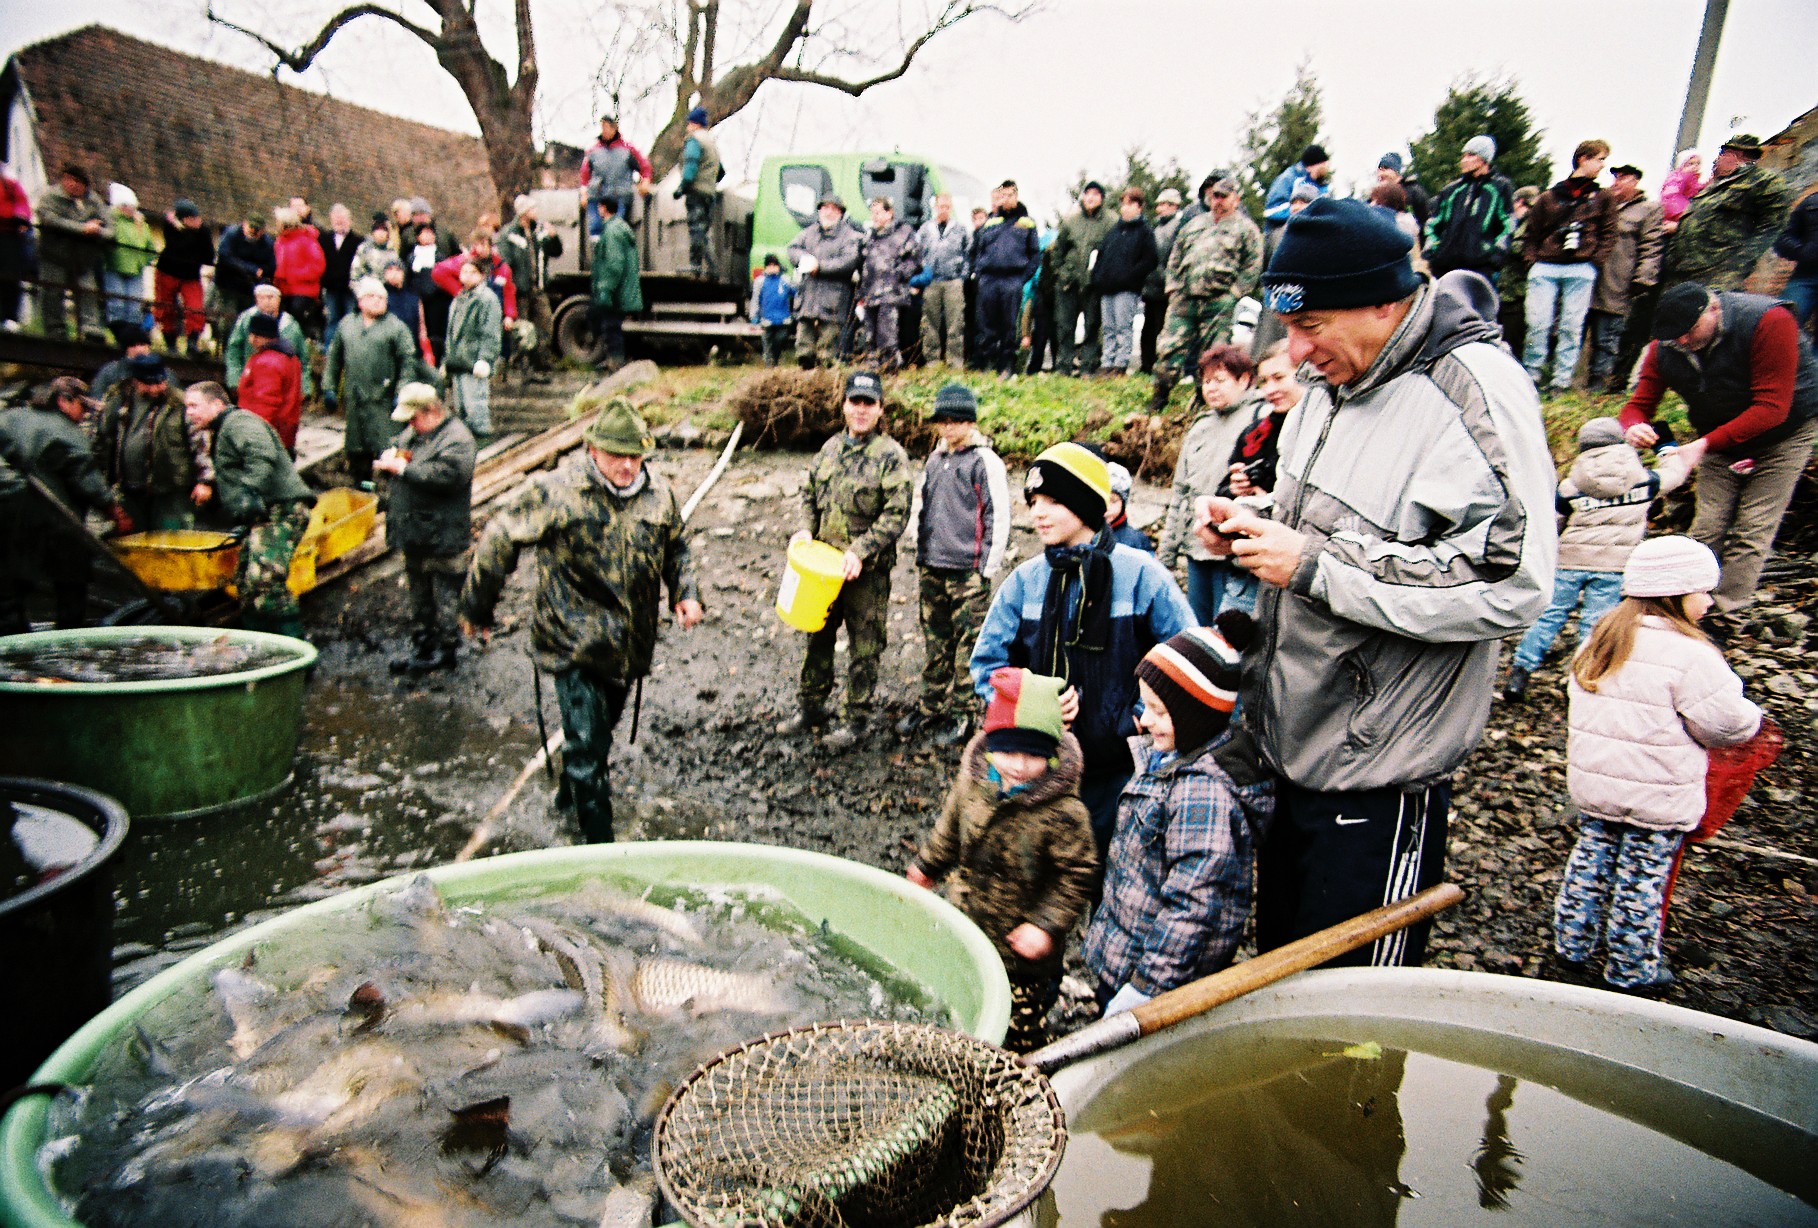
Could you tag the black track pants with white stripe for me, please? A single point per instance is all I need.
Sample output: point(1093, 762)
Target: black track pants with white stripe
point(1330, 856)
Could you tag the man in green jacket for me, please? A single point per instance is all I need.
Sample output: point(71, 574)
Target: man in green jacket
point(1731, 221)
point(46, 441)
point(476, 324)
point(429, 517)
point(257, 491)
point(266, 301)
point(1080, 234)
point(369, 358)
point(856, 499)
point(608, 533)
point(158, 465)
point(618, 291)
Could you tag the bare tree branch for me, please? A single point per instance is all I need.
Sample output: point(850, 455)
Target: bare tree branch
point(952, 15)
point(300, 59)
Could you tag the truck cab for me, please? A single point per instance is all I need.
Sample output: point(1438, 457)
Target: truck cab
point(790, 188)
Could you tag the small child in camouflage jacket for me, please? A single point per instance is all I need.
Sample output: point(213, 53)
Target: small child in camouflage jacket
point(1017, 843)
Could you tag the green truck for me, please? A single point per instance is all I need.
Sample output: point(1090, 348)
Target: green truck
point(750, 221)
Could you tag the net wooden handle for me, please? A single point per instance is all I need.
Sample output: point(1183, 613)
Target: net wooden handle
point(1198, 997)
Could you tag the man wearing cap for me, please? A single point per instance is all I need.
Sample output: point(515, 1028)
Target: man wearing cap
point(1625, 280)
point(422, 215)
point(75, 230)
point(1215, 261)
point(269, 303)
point(271, 383)
point(961, 533)
point(826, 255)
point(1391, 169)
point(1472, 217)
point(45, 441)
point(607, 532)
point(246, 257)
point(524, 243)
point(1749, 380)
point(1080, 234)
point(371, 356)
point(1731, 221)
point(259, 494)
point(856, 499)
point(428, 516)
point(699, 187)
point(177, 276)
point(1006, 251)
point(133, 342)
point(1313, 169)
point(159, 467)
point(1411, 529)
point(612, 167)
point(1085, 609)
point(1155, 286)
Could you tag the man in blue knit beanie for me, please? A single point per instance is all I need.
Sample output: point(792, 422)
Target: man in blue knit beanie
point(1411, 531)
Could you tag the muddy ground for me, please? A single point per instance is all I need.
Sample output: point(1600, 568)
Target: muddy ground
point(393, 776)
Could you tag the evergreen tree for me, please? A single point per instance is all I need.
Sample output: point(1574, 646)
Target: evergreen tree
point(1140, 170)
point(1475, 106)
point(1271, 142)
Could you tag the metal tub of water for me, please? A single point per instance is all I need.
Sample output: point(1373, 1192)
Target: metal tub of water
point(1421, 1096)
point(920, 935)
point(165, 748)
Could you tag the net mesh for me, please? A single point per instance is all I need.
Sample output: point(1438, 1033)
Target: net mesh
point(890, 1125)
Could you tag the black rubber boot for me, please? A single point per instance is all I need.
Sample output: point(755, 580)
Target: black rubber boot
point(1516, 688)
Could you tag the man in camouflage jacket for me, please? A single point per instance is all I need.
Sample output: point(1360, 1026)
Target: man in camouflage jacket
point(1217, 259)
point(889, 257)
point(607, 532)
point(856, 499)
point(257, 491)
point(1731, 221)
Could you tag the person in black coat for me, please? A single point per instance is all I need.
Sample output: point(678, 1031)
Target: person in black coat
point(339, 243)
point(1121, 264)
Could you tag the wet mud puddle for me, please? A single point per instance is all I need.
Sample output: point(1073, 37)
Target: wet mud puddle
point(1423, 1126)
point(148, 658)
point(456, 1062)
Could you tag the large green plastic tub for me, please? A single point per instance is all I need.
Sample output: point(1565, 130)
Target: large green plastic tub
point(920, 934)
point(172, 748)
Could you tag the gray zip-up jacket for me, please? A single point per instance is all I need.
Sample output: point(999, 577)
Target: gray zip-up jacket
point(944, 252)
point(1425, 490)
point(964, 499)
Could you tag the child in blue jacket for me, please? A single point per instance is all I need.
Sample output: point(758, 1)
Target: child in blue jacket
point(773, 306)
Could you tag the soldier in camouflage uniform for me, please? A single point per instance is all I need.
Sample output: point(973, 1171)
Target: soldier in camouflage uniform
point(1731, 221)
point(607, 532)
point(889, 256)
point(1216, 260)
point(856, 498)
point(257, 491)
point(960, 538)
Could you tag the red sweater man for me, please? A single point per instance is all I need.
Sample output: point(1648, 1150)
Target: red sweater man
point(271, 385)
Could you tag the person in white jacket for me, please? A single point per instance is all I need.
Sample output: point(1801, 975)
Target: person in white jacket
point(1649, 691)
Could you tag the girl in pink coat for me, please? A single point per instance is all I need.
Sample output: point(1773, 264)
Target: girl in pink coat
point(1680, 185)
point(1649, 691)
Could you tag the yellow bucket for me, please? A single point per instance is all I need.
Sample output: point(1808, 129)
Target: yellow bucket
point(341, 519)
point(810, 583)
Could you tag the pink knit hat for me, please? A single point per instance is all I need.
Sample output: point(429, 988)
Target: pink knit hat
point(1669, 567)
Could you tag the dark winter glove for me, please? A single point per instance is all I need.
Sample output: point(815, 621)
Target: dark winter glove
point(1666, 439)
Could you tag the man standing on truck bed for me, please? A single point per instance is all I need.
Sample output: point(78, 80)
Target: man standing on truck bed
point(613, 167)
point(701, 175)
point(826, 255)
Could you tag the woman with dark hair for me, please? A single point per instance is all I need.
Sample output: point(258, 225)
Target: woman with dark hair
point(1226, 382)
point(419, 274)
point(1393, 200)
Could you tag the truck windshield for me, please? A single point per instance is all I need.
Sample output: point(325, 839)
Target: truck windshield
point(803, 187)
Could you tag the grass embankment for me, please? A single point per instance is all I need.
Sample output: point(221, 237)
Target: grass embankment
point(1027, 414)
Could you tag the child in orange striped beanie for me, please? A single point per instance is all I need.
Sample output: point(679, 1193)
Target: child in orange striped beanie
point(1177, 882)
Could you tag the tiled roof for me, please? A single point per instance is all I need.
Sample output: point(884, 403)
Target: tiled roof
point(169, 125)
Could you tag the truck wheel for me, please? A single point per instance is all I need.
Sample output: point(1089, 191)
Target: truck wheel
point(575, 339)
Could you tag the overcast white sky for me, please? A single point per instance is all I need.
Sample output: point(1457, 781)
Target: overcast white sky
point(1072, 86)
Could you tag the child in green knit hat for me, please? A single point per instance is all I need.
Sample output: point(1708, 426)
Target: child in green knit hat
point(1015, 843)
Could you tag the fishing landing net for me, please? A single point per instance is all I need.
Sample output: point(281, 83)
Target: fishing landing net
point(887, 1125)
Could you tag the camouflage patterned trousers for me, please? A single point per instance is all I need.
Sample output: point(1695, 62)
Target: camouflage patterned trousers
point(1193, 325)
point(263, 573)
point(954, 601)
point(1615, 888)
point(862, 605)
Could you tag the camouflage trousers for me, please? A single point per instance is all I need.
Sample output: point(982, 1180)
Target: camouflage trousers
point(954, 602)
point(1192, 326)
point(263, 573)
point(700, 227)
point(1033, 991)
point(435, 596)
point(819, 339)
point(1615, 888)
point(862, 605)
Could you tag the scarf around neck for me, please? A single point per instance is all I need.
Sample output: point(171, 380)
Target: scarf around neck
point(1084, 621)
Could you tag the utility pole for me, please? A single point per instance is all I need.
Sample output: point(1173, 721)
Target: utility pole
point(1698, 90)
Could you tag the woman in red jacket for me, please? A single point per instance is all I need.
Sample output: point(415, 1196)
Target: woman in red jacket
point(300, 268)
